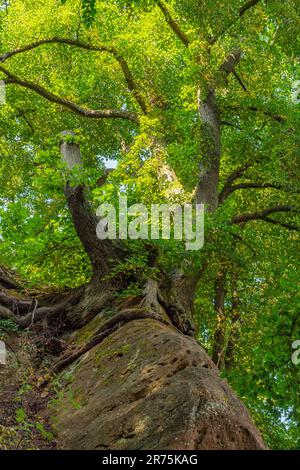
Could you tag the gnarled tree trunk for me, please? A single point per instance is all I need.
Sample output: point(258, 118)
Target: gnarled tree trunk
point(139, 377)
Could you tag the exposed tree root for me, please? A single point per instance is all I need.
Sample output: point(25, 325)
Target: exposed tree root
point(77, 306)
point(151, 293)
point(107, 329)
point(6, 279)
point(26, 312)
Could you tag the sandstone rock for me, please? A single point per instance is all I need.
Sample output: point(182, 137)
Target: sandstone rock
point(131, 392)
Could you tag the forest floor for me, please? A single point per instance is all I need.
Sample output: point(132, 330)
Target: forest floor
point(23, 425)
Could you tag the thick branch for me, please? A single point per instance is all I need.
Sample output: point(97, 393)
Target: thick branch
point(101, 252)
point(55, 40)
point(235, 321)
point(132, 85)
point(173, 24)
point(6, 280)
point(35, 314)
point(15, 305)
point(219, 335)
point(88, 113)
point(230, 62)
point(207, 189)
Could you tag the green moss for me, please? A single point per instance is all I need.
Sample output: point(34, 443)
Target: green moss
point(87, 331)
point(109, 353)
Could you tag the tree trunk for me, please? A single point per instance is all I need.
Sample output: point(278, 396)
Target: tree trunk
point(207, 190)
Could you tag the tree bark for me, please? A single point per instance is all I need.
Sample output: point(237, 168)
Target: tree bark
point(207, 190)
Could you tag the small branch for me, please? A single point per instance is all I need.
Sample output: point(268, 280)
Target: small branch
point(102, 180)
point(275, 117)
point(239, 238)
point(54, 247)
point(173, 24)
point(237, 173)
point(225, 193)
point(238, 78)
point(34, 312)
point(256, 185)
point(263, 215)
point(283, 224)
point(23, 114)
point(229, 124)
point(230, 62)
point(88, 113)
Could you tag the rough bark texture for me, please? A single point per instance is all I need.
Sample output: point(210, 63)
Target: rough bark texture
point(209, 113)
point(207, 190)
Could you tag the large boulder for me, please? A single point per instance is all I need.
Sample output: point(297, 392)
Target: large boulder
point(147, 386)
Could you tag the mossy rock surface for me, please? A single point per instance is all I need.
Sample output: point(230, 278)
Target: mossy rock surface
point(147, 386)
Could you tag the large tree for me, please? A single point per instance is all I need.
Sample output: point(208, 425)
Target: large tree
point(193, 100)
